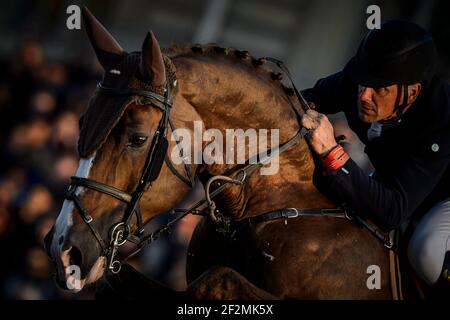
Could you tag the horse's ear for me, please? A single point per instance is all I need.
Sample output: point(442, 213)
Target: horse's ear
point(105, 46)
point(152, 62)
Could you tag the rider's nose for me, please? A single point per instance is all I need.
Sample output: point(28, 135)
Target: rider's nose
point(365, 94)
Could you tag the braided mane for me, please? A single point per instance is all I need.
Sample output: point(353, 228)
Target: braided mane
point(237, 56)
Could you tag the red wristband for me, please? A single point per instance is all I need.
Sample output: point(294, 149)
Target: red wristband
point(335, 159)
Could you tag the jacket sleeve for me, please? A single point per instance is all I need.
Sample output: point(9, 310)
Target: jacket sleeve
point(331, 94)
point(390, 200)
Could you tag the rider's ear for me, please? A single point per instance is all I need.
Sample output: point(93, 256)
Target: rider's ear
point(105, 46)
point(152, 62)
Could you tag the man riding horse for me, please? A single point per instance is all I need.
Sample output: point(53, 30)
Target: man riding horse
point(400, 109)
point(125, 178)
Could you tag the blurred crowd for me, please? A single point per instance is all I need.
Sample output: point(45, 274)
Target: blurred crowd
point(40, 104)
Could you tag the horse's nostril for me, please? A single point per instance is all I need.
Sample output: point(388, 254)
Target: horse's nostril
point(75, 256)
point(61, 240)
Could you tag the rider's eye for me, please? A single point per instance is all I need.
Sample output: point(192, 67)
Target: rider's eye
point(137, 140)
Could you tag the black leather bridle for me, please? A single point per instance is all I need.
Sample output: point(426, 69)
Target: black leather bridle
point(121, 232)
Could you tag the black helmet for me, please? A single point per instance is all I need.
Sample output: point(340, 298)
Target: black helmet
point(399, 52)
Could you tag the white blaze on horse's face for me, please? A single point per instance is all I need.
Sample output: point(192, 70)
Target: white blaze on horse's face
point(65, 218)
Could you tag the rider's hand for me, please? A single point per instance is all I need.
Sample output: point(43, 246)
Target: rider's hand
point(321, 132)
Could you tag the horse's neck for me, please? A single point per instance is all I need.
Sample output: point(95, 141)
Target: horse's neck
point(228, 94)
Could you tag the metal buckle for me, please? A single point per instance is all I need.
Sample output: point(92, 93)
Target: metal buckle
point(118, 234)
point(115, 266)
point(388, 244)
point(292, 213)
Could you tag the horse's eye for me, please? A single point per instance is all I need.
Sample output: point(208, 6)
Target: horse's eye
point(137, 140)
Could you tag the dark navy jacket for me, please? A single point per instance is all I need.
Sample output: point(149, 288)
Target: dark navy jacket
point(411, 158)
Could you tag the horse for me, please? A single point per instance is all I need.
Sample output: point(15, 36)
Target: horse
point(125, 178)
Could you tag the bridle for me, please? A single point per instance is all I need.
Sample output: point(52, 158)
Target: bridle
point(120, 232)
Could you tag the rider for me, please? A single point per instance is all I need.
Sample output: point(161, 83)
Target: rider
point(400, 109)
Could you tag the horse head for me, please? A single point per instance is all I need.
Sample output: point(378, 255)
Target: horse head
point(122, 146)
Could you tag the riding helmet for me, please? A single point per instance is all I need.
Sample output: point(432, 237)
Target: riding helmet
point(399, 52)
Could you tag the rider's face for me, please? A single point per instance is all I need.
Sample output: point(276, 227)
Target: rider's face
point(376, 104)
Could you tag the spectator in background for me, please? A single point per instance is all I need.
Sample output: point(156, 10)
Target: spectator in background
point(39, 133)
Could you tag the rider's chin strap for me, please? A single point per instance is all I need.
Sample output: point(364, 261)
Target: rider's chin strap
point(399, 107)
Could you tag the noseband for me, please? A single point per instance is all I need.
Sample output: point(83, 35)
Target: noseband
point(121, 231)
